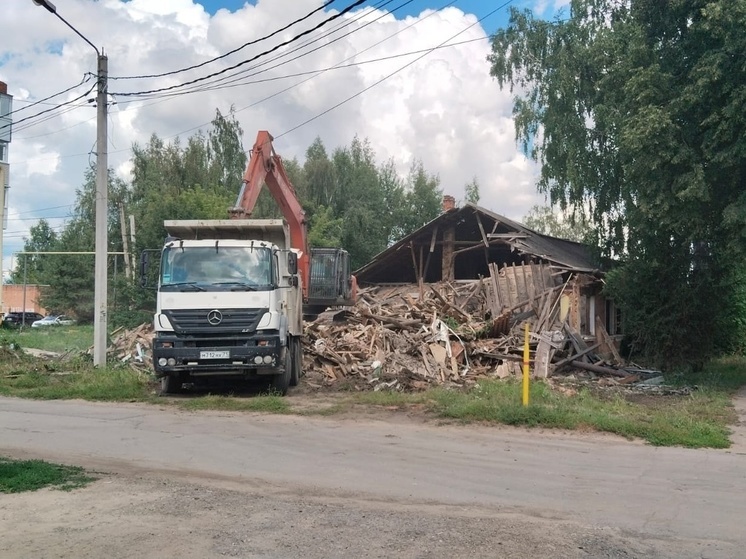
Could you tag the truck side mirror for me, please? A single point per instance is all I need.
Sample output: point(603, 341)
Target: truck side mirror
point(144, 265)
point(145, 273)
point(292, 263)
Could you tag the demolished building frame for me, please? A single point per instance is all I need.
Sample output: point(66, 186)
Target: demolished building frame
point(470, 242)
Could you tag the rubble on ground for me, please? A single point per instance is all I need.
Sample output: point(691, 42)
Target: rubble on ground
point(413, 337)
point(408, 337)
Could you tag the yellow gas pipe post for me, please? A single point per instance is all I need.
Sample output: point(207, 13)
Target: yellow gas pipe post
point(525, 368)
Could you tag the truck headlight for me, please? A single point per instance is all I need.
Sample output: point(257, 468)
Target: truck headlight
point(258, 360)
point(267, 359)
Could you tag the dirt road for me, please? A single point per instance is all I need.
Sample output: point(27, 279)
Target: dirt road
point(220, 484)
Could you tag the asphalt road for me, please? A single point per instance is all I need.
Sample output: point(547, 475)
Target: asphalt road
point(670, 494)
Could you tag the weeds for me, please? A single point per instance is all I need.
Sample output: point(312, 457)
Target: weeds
point(29, 475)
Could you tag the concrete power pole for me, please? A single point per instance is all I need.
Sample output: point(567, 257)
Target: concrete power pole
point(100, 304)
point(6, 125)
point(100, 319)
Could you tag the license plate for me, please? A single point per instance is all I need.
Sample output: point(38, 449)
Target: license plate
point(214, 354)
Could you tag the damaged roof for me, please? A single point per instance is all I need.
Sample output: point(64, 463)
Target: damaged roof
point(472, 237)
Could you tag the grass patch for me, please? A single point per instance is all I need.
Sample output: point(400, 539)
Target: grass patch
point(697, 421)
point(60, 339)
point(29, 475)
point(28, 378)
point(726, 374)
point(389, 398)
point(265, 404)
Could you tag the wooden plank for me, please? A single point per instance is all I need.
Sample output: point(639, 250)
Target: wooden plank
point(607, 344)
point(568, 360)
point(525, 281)
point(448, 260)
point(430, 252)
point(496, 291)
point(544, 353)
point(481, 230)
point(599, 369)
point(414, 263)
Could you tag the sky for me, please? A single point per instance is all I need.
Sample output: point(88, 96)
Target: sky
point(439, 106)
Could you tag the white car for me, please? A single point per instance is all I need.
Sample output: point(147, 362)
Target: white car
point(60, 320)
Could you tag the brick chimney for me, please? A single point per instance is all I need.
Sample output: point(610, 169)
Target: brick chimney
point(449, 203)
point(3, 88)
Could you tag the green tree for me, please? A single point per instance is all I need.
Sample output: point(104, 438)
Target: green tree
point(471, 190)
point(636, 111)
point(33, 267)
point(545, 220)
point(423, 198)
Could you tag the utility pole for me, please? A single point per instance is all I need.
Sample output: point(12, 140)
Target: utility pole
point(6, 126)
point(100, 320)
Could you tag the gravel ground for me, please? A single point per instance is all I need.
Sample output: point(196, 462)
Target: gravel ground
point(137, 516)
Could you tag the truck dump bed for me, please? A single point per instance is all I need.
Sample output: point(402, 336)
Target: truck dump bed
point(273, 231)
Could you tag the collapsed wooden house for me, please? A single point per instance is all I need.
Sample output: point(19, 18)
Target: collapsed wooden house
point(449, 303)
point(471, 242)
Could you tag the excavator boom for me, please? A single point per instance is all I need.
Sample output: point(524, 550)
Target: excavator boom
point(325, 273)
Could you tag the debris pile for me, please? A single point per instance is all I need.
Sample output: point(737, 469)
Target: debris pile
point(132, 347)
point(411, 337)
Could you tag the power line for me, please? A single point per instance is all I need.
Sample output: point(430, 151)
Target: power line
point(214, 85)
point(86, 78)
point(330, 109)
point(273, 49)
point(45, 111)
point(293, 86)
point(60, 111)
point(235, 50)
point(59, 130)
point(45, 209)
point(319, 72)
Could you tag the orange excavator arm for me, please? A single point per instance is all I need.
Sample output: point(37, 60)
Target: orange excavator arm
point(265, 166)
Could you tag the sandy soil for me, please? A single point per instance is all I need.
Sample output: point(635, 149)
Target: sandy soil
point(136, 515)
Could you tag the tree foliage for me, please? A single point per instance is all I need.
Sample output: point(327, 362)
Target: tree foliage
point(545, 220)
point(635, 110)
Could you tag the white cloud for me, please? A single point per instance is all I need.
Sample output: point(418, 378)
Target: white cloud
point(443, 109)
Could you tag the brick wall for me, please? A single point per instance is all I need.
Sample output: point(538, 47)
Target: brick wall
point(13, 299)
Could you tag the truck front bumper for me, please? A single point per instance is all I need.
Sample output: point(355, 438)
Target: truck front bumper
point(257, 354)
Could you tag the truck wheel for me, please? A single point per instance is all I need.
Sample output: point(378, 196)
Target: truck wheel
point(170, 385)
point(281, 382)
point(297, 366)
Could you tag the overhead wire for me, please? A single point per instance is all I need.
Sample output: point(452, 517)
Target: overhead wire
point(387, 76)
point(321, 71)
point(309, 41)
point(297, 84)
point(86, 77)
point(46, 118)
point(264, 53)
point(45, 111)
point(233, 51)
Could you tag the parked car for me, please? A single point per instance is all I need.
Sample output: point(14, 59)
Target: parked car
point(15, 318)
point(60, 320)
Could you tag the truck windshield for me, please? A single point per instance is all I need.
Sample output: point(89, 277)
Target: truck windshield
point(224, 268)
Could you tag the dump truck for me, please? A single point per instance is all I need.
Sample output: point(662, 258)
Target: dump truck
point(232, 293)
point(229, 303)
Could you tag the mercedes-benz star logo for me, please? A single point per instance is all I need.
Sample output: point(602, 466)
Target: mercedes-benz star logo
point(214, 317)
